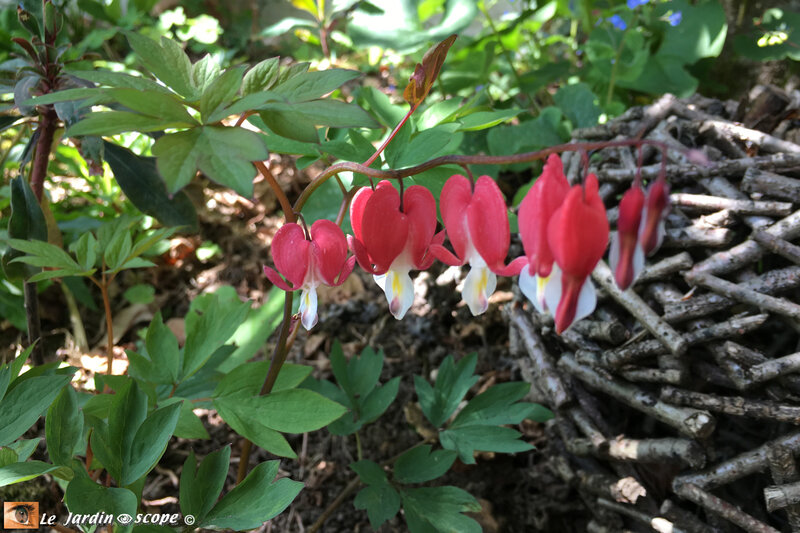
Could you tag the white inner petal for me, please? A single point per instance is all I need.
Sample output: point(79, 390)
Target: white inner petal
point(308, 307)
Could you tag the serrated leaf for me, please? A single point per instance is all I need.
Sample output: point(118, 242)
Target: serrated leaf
point(452, 383)
point(114, 122)
point(167, 61)
point(316, 84)
point(370, 472)
point(467, 439)
point(220, 91)
point(439, 508)
point(261, 77)
point(223, 154)
point(381, 501)
point(253, 501)
point(63, 427)
point(85, 250)
point(419, 464)
point(205, 71)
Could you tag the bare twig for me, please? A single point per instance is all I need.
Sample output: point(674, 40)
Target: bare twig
point(724, 509)
point(666, 267)
point(732, 405)
point(777, 245)
point(771, 184)
point(737, 292)
point(692, 422)
point(680, 451)
point(744, 207)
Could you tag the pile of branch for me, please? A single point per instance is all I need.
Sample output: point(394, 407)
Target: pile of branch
point(677, 403)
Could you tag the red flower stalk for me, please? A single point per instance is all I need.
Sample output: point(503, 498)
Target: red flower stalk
point(389, 242)
point(656, 207)
point(625, 256)
point(477, 226)
point(542, 200)
point(577, 235)
point(308, 263)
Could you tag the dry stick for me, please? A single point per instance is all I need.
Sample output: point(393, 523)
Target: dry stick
point(607, 331)
point(781, 496)
point(639, 309)
point(697, 237)
point(346, 492)
point(732, 405)
point(766, 142)
point(783, 468)
point(724, 509)
point(749, 251)
point(744, 464)
point(666, 267)
point(771, 184)
point(673, 376)
point(719, 219)
point(772, 282)
point(780, 306)
point(676, 451)
point(690, 173)
point(692, 422)
point(657, 523)
point(683, 518)
point(744, 207)
point(547, 377)
point(774, 368)
point(777, 245)
point(734, 327)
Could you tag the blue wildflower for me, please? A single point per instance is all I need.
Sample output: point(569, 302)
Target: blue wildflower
point(633, 4)
point(675, 18)
point(618, 22)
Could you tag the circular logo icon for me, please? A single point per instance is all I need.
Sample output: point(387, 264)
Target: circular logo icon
point(124, 519)
point(188, 519)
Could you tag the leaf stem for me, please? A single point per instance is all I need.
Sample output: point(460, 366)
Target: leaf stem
point(286, 206)
point(396, 129)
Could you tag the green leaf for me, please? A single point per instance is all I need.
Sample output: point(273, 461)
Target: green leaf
point(141, 293)
point(84, 496)
point(220, 92)
point(153, 104)
point(118, 250)
point(466, 439)
point(259, 324)
point(261, 77)
point(419, 465)
point(200, 487)
point(24, 448)
point(378, 400)
point(162, 347)
point(452, 383)
point(150, 442)
point(26, 223)
point(370, 472)
point(289, 411)
point(381, 501)
point(439, 508)
point(85, 250)
point(63, 427)
point(167, 61)
point(313, 85)
point(120, 80)
point(205, 71)
point(189, 424)
point(440, 140)
point(327, 112)
point(139, 180)
point(223, 154)
point(93, 97)
point(19, 362)
point(19, 472)
point(114, 122)
point(255, 500)
point(286, 124)
point(249, 377)
point(481, 120)
point(700, 34)
point(578, 104)
point(7, 457)
point(42, 253)
point(254, 430)
point(24, 404)
point(222, 313)
point(128, 411)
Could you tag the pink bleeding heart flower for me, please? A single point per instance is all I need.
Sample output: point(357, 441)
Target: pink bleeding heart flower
point(542, 200)
point(577, 235)
point(306, 264)
point(625, 255)
point(477, 225)
point(655, 211)
point(389, 241)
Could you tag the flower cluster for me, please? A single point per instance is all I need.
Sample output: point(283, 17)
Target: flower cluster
point(564, 232)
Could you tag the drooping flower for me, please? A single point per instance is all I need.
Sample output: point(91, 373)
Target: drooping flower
point(308, 263)
point(625, 255)
point(577, 235)
point(390, 241)
point(542, 200)
point(655, 211)
point(477, 226)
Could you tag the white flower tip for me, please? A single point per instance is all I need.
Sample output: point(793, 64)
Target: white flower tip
point(308, 308)
point(478, 286)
